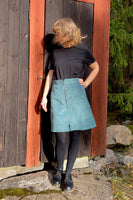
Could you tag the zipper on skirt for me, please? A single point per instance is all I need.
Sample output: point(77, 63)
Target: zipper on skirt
point(66, 106)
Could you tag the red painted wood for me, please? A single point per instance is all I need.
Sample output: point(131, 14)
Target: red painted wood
point(35, 70)
point(100, 84)
point(87, 1)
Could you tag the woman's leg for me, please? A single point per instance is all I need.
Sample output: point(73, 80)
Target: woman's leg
point(73, 150)
point(61, 144)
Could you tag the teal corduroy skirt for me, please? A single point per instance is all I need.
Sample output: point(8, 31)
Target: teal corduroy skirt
point(70, 109)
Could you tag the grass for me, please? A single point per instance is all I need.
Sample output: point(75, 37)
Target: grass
point(121, 180)
point(122, 188)
point(14, 192)
point(20, 192)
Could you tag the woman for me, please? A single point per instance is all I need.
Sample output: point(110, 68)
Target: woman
point(70, 109)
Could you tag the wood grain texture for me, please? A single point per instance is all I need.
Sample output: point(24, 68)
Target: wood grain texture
point(23, 78)
point(12, 83)
point(14, 57)
point(100, 84)
point(83, 16)
point(3, 73)
point(53, 11)
point(36, 62)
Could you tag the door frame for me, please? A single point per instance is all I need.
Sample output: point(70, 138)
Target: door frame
point(99, 85)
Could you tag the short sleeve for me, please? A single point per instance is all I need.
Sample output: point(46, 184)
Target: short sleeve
point(89, 58)
point(51, 62)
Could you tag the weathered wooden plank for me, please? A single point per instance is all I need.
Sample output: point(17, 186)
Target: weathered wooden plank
point(12, 83)
point(82, 14)
point(100, 84)
point(23, 69)
point(35, 85)
point(54, 11)
point(70, 9)
point(3, 72)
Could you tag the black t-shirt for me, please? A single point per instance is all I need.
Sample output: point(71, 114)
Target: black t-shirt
point(70, 62)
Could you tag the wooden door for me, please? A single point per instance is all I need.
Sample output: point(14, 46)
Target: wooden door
point(82, 14)
point(14, 41)
point(54, 10)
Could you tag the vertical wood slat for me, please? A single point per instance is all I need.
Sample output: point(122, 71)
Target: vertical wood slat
point(35, 70)
point(12, 84)
point(22, 82)
point(100, 84)
point(81, 12)
point(54, 8)
point(3, 73)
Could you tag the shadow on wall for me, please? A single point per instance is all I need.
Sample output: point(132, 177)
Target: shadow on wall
point(48, 138)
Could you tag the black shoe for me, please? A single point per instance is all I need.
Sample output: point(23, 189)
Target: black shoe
point(57, 178)
point(67, 184)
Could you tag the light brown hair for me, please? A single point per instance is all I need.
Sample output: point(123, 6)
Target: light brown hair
point(66, 28)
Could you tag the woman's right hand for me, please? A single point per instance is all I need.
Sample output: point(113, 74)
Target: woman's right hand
point(44, 104)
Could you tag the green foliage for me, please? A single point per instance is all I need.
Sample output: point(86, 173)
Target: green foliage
point(130, 127)
point(121, 43)
point(122, 102)
point(121, 55)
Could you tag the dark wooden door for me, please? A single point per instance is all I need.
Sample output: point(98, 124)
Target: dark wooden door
point(82, 14)
point(14, 41)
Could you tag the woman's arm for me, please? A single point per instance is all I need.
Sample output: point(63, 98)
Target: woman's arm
point(95, 69)
point(47, 87)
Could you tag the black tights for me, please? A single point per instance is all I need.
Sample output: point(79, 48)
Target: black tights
point(61, 144)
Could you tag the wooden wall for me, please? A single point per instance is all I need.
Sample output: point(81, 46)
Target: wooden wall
point(14, 40)
point(14, 72)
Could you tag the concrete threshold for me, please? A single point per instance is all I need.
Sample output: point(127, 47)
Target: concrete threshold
point(19, 170)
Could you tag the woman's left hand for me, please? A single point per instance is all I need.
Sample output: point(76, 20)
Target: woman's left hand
point(82, 82)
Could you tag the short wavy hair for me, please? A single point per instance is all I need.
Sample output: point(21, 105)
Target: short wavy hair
point(69, 30)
